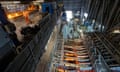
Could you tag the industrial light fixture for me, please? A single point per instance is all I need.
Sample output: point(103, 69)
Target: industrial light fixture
point(69, 15)
point(9, 2)
point(83, 19)
point(93, 21)
point(38, 1)
point(103, 27)
point(86, 15)
point(116, 31)
point(16, 1)
point(99, 26)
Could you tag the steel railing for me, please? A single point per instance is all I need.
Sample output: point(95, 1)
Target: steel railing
point(99, 63)
point(114, 51)
point(27, 60)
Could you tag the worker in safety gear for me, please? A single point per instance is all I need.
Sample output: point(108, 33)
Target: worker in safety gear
point(66, 31)
point(26, 16)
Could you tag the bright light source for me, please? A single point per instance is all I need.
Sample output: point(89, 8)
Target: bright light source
point(69, 15)
point(93, 21)
point(83, 19)
point(103, 27)
point(116, 31)
point(86, 15)
point(81, 30)
point(81, 33)
point(38, 1)
point(9, 16)
point(9, 2)
point(16, 1)
point(99, 26)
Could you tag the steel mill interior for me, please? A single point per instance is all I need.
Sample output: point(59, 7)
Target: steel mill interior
point(59, 35)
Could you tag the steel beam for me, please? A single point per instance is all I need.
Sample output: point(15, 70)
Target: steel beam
point(112, 12)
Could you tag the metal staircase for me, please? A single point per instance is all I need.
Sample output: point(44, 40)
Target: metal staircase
point(109, 54)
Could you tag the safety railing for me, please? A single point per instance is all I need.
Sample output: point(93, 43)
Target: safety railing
point(27, 60)
point(114, 51)
point(57, 46)
point(99, 63)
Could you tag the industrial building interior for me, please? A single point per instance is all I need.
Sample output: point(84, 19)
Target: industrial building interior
point(60, 35)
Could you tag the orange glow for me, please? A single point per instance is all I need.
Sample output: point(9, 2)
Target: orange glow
point(69, 54)
point(17, 14)
point(69, 59)
point(60, 70)
point(14, 15)
point(32, 7)
point(9, 16)
point(66, 46)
